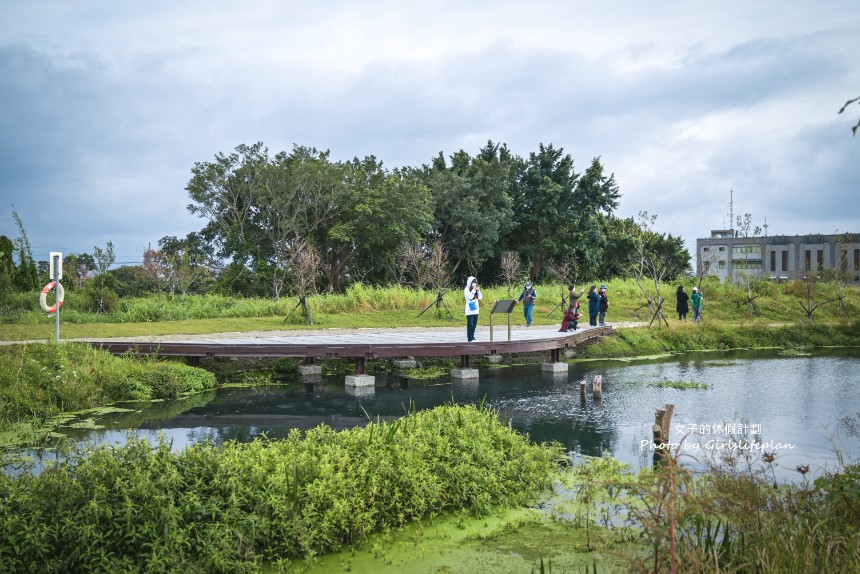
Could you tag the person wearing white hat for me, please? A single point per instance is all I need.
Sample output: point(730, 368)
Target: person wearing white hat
point(528, 297)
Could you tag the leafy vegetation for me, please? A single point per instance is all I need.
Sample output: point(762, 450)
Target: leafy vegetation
point(679, 385)
point(632, 342)
point(736, 517)
point(144, 508)
point(393, 306)
point(39, 381)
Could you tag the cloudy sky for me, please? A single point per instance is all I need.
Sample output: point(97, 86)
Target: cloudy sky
point(106, 106)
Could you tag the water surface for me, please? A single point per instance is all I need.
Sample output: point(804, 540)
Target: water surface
point(792, 406)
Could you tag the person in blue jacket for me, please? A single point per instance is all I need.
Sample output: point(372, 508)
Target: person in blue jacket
point(593, 306)
point(528, 297)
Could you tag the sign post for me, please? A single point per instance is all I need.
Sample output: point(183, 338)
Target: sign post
point(56, 264)
point(503, 306)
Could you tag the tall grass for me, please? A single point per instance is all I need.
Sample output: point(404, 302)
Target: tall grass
point(723, 302)
point(42, 380)
point(735, 518)
point(723, 336)
point(230, 509)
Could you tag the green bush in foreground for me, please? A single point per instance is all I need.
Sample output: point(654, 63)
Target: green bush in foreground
point(41, 380)
point(231, 508)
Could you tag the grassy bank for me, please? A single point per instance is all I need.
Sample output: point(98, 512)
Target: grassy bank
point(39, 381)
point(228, 509)
point(393, 306)
point(712, 335)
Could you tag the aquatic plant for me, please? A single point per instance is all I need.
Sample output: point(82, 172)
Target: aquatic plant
point(142, 507)
point(40, 380)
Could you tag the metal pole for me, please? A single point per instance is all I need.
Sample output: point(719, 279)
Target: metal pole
point(57, 296)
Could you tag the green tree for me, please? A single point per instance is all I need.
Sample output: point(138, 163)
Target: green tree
point(26, 275)
point(384, 209)
point(473, 209)
point(104, 258)
point(7, 265)
point(546, 208)
point(224, 192)
point(187, 260)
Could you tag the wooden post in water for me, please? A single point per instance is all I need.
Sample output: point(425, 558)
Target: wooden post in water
point(582, 390)
point(662, 424)
point(597, 387)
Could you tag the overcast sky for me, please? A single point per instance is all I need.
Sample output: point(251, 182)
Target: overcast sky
point(106, 106)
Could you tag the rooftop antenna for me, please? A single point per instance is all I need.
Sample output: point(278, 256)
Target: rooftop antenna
point(731, 210)
point(765, 226)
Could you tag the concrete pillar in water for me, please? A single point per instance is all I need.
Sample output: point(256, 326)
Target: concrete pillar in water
point(464, 371)
point(556, 366)
point(360, 378)
point(407, 363)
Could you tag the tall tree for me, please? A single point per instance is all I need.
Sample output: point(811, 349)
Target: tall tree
point(7, 265)
point(26, 274)
point(545, 201)
point(473, 210)
point(224, 192)
point(104, 258)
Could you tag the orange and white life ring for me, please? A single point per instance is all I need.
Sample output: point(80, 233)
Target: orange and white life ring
point(43, 298)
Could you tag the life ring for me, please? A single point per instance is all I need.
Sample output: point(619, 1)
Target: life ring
point(43, 298)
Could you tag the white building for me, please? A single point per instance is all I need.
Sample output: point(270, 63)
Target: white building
point(780, 257)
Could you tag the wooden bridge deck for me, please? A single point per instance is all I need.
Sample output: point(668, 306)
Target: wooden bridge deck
point(367, 344)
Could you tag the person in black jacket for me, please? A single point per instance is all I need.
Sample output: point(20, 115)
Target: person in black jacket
point(603, 306)
point(683, 306)
point(593, 306)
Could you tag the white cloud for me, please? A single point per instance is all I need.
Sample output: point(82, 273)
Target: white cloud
point(105, 108)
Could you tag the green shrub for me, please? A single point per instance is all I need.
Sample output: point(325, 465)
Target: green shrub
point(228, 509)
point(43, 379)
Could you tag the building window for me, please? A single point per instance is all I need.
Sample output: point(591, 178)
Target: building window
point(723, 249)
point(743, 264)
point(706, 249)
point(772, 261)
point(819, 259)
point(784, 261)
point(746, 249)
point(808, 262)
point(856, 259)
point(722, 264)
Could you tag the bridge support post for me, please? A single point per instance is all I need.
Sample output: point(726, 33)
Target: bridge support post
point(464, 371)
point(556, 366)
point(309, 368)
point(360, 378)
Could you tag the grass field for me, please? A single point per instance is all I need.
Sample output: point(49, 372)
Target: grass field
point(395, 306)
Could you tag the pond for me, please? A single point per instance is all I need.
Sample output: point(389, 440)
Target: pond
point(793, 406)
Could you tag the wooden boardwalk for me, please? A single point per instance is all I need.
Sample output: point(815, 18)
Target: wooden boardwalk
point(365, 344)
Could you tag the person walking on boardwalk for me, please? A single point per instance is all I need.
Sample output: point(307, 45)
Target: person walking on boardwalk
point(528, 297)
point(682, 306)
point(604, 305)
point(698, 302)
point(473, 296)
point(593, 306)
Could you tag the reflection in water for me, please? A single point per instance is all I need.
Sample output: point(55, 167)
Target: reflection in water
point(798, 401)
